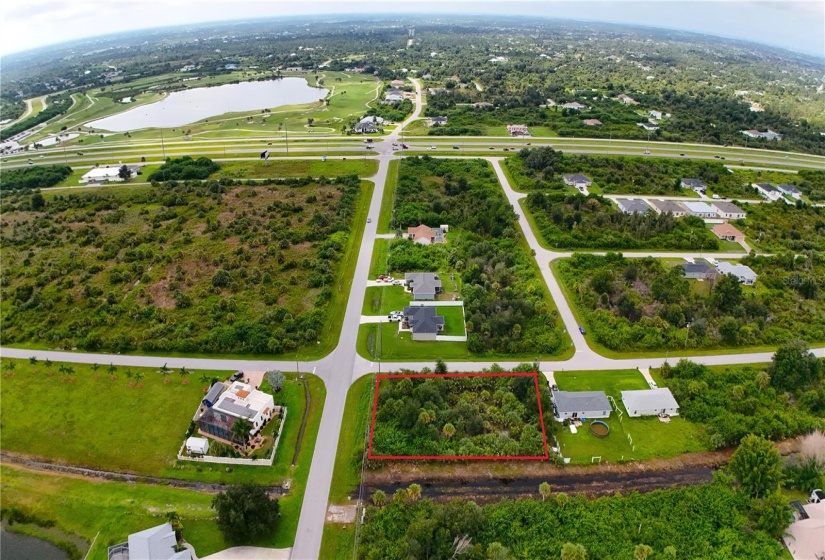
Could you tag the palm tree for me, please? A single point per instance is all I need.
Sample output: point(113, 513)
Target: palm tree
point(544, 490)
point(241, 429)
point(379, 498)
point(763, 379)
point(95, 366)
point(562, 499)
point(448, 430)
point(414, 492)
point(48, 363)
point(112, 369)
point(183, 373)
point(11, 365)
point(497, 551)
point(164, 370)
point(204, 378)
point(128, 373)
point(642, 551)
point(669, 552)
point(572, 551)
point(33, 360)
point(138, 376)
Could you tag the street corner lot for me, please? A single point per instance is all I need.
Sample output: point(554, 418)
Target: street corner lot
point(649, 437)
point(458, 416)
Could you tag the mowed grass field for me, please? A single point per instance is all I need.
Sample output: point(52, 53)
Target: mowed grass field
point(107, 512)
point(106, 421)
point(297, 168)
point(650, 437)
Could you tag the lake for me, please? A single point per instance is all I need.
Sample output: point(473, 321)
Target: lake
point(186, 107)
point(15, 546)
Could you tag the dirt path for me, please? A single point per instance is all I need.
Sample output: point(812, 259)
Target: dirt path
point(493, 489)
point(487, 481)
point(32, 464)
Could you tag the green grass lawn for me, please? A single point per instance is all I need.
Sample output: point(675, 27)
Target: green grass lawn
point(382, 300)
point(378, 264)
point(400, 346)
point(453, 320)
point(650, 437)
point(106, 424)
point(388, 200)
point(296, 168)
point(339, 539)
point(112, 510)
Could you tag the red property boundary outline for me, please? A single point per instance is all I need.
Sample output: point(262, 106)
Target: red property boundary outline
point(533, 374)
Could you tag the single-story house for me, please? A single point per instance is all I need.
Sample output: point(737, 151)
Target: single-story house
point(238, 401)
point(655, 115)
point(803, 537)
point(728, 210)
point(517, 130)
point(215, 391)
point(694, 185)
point(423, 322)
point(393, 98)
point(700, 209)
point(626, 99)
point(580, 404)
point(743, 273)
point(197, 445)
point(437, 90)
point(650, 402)
point(727, 232)
point(438, 121)
point(483, 105)
point(592, 122)
point(423, 285)
point(767, 135)
point(157, 543)
point(397, 83)
point(632, 205)
point(698, 270)
point(672, 206)
point(427, 235)
point(790, 190)
point(649, 126)
point(368, 125)
point(577, 180)
point(768, 191)
point(575, 105)
point(108, 173)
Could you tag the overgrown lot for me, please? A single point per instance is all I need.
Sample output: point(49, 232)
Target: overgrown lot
point(575, 221)
point(506, 304)
point(180, 267)
point(693, 521)
point(465, 416)
point(542, 169)
point(33, 177)
point(784, 227)
point(734, 401)
point(644, 304)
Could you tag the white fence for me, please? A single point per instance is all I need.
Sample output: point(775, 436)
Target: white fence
point(233, 461)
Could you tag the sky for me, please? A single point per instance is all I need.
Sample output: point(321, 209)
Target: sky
point(797, 25)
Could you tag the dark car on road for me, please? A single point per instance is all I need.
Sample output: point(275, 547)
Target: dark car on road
point(581, 330)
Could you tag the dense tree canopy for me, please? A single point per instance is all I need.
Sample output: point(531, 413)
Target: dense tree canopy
point(33, 177)
point(245, 511)
point(184, 168)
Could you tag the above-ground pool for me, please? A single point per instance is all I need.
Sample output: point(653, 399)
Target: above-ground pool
point(599, 428)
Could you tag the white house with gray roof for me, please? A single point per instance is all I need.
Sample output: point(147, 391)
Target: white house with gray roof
point(650, 402)
point(580, 404)
point(423, 285)
point(423, 322)
point(694, 185)
point(742, 272)
point(157, 543)
point(768, 191)
point(577, 180)
point(790, 190)
point(672, 206)
point(728, 210)
point(632, 205)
